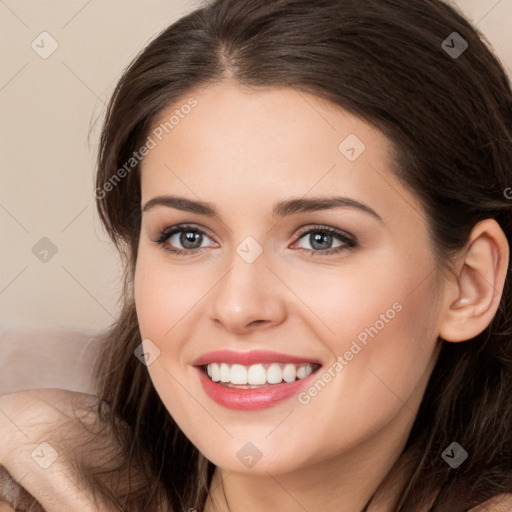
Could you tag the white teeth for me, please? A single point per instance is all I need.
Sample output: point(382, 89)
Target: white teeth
point(274, 374)
point(225, 373)
point(238, 374)
point(289, 373)
point(256, 374)
point(215, 372)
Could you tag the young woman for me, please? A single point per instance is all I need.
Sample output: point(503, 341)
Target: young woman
point(313, 201)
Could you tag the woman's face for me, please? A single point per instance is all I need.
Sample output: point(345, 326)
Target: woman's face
point(263, 274)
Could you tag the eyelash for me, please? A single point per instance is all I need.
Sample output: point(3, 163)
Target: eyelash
point(348, 240)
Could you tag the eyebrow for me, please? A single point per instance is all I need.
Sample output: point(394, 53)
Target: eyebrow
point(281, 209)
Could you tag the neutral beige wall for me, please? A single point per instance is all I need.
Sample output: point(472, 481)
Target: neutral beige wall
point(46, 109)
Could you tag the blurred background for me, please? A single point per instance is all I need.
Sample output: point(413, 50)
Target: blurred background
point(59, 62)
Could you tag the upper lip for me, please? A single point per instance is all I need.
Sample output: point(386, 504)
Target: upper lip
point(249, 358)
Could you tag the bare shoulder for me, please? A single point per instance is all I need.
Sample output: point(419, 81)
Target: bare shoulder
point(500, 503)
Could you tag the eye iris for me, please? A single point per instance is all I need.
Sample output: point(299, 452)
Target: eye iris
point(319, 238)
point(190, 237)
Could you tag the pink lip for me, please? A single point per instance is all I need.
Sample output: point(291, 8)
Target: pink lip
point(252, 399)
point(256, 398)
point(248, 358)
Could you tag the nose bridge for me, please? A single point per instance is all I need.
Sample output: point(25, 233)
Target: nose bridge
point(245, 281)
point(245, 295)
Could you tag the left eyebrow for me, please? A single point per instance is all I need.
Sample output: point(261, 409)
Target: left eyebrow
point(292, 206)
point(281, 209)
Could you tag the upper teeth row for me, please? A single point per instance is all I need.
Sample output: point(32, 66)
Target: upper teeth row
point(256, 374)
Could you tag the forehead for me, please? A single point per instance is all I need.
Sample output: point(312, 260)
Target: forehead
point(238, 145)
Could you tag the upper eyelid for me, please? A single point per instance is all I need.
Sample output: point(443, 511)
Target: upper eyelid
point(172, 230)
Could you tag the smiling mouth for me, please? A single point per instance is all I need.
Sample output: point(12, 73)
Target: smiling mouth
point(257, 375)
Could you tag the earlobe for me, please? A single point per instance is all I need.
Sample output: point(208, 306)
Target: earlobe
point(479, 283)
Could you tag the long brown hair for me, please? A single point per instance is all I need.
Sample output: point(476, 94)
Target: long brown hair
point(449, 118)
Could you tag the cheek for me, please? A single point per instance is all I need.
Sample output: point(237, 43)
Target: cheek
point(380, 326)
point(362, 299)
point(165, 293)
point(389, 347)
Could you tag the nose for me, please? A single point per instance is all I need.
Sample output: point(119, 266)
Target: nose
point(249, 297)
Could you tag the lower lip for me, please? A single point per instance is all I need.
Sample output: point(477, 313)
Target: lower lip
point(251, 399)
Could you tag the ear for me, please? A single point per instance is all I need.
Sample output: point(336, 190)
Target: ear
point(473, 297)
